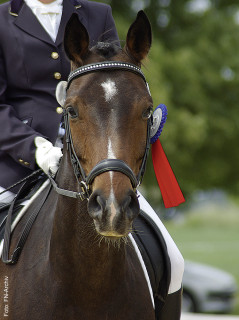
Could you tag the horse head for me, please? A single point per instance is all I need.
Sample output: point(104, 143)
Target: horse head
point(108, 116)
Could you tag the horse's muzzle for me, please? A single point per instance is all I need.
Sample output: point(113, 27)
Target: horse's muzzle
point(113, 218)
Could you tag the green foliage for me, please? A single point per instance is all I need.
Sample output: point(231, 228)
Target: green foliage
point(193, 68)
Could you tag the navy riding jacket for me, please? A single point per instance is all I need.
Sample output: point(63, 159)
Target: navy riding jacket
point(31, 65)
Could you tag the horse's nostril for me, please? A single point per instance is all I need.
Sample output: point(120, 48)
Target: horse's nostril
point(131, 206)
point(108, 214)
point(96, 205)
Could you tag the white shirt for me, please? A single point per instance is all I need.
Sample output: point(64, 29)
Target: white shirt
point(49, 15)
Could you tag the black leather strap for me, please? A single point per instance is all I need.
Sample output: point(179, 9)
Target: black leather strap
point(32, 175)
point(112, 165)
point(68, 193)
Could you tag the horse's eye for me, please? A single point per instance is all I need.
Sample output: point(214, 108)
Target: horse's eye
point(72, 112)
point(147, 113)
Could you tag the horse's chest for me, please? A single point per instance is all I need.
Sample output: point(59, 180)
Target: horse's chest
point(125, 309)
point(128, 300)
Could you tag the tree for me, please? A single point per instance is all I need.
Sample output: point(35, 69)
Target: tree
point(194, 70)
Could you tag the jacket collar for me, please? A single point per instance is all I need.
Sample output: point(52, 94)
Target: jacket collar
point(69, 7)
point(15, 6)
point(27, 21)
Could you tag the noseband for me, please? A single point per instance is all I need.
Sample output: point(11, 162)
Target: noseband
point(105, 165)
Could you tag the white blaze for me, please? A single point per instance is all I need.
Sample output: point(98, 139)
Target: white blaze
point(111, 199)
point(111, 154)
point(110, 89)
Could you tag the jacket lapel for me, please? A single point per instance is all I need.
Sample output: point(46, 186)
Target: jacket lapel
point(69, 7)
point(27, 21)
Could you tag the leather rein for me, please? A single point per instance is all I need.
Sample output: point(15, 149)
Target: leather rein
point(85, 181)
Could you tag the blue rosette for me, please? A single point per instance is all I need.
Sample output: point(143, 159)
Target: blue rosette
point(159, 119)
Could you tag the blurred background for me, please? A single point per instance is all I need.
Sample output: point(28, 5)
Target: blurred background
point(193, 68)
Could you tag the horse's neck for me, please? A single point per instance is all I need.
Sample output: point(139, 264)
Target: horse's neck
point(84, 278)
point(80, 260)
point(76, 248)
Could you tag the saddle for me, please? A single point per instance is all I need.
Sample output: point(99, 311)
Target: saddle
point(146, 234)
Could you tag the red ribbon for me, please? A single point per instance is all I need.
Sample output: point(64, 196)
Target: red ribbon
point(170, 190)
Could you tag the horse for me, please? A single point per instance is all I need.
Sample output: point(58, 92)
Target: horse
point(78, 261)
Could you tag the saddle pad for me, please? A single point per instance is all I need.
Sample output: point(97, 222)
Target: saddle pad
point(152, 247)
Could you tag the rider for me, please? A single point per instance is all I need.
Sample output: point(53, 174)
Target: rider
point(32, 62)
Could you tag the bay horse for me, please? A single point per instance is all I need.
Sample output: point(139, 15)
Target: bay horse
point(78, 261)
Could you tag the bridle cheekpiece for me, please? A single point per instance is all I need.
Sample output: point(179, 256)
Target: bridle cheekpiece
point(85, 181)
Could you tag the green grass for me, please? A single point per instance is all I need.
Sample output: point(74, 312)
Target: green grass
point(210, 236)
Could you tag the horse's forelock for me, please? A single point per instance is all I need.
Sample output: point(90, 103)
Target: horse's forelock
point(106, 49)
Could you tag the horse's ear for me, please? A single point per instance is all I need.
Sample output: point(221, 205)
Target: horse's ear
point(139, 37)
point(76, 40)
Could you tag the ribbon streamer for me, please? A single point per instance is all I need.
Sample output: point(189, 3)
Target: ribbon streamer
point(170, 190)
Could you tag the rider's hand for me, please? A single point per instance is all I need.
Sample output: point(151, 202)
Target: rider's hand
point(47, 156)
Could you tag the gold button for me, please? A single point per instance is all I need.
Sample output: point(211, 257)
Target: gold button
point(57, 75)
point(20, 160)
point(54, 55)
point(59, 110)
point(26, 163)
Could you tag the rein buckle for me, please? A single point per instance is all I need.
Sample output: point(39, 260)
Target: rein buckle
point(86, 190)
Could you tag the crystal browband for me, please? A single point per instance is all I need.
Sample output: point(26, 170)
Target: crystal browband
point(112, 65)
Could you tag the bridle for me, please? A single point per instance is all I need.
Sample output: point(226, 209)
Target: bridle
point(85, 181)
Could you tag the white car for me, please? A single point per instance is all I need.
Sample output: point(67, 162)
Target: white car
point(207, 289)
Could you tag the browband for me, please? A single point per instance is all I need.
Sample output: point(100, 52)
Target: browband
point(112, 65)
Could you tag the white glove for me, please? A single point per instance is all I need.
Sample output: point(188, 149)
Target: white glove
point(47, 156)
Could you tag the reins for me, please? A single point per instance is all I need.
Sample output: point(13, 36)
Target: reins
point(35, 173)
